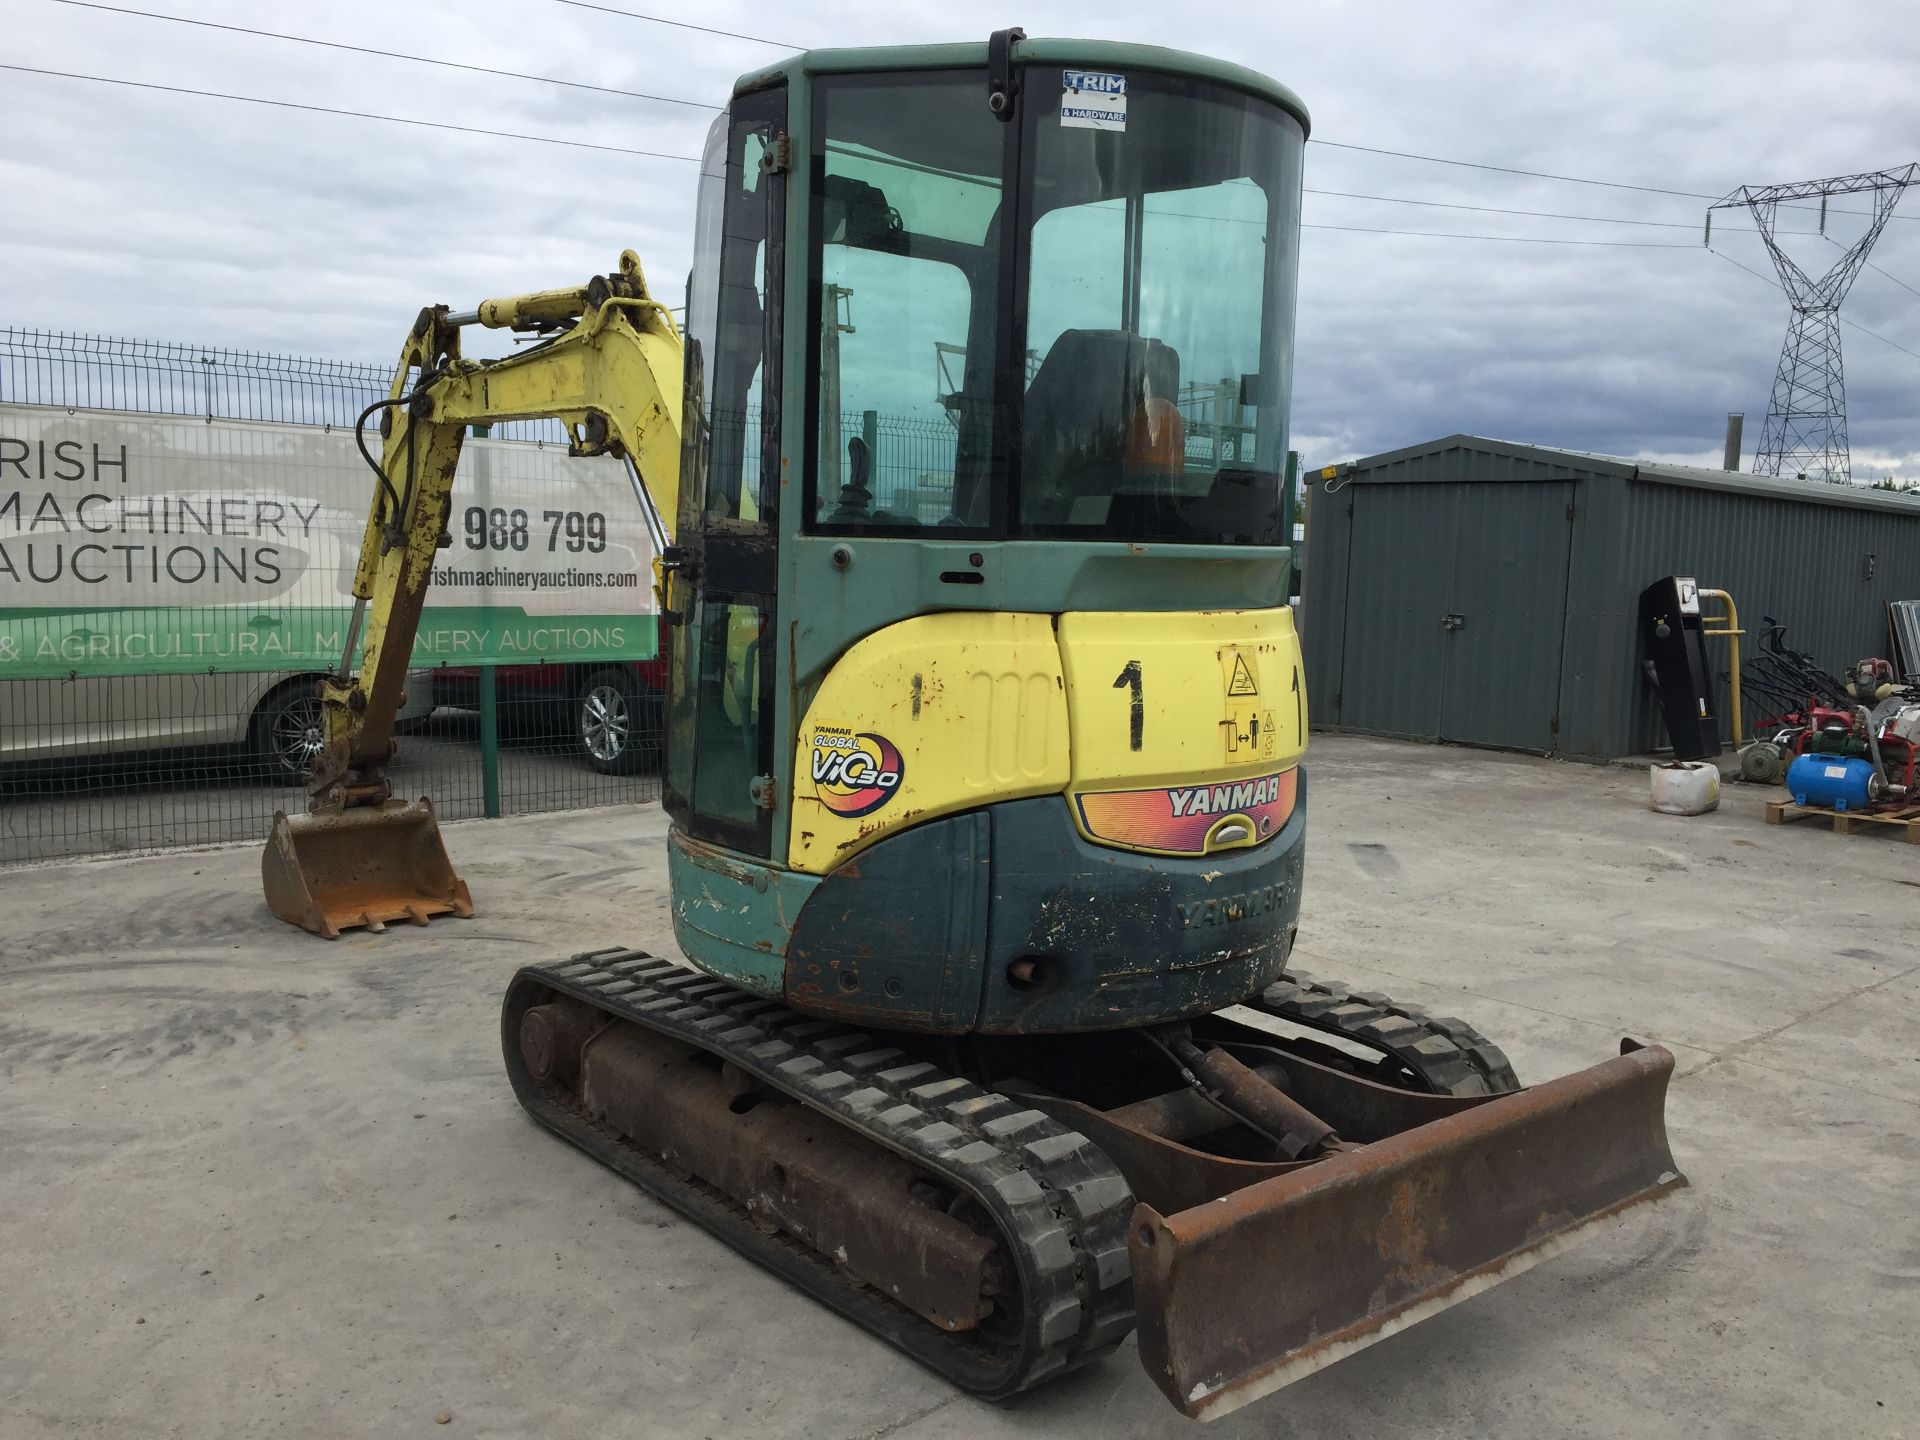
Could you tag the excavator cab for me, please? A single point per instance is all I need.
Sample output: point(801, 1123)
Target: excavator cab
point(984, 742)
point(962, 372)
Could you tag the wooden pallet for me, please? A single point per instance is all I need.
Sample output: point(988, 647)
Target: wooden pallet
point(1905, 819)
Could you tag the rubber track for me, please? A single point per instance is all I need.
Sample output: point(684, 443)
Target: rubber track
point(1448, 1056)
point(1060, 1203)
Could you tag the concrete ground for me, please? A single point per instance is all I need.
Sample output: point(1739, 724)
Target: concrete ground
point(255, 1184)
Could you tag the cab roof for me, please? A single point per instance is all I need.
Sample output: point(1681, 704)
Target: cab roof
point(1100, 54)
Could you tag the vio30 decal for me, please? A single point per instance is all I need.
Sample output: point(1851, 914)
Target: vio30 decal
point(854, 773)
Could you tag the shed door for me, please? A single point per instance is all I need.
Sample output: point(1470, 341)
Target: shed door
point(1399, 576)
point(1455, 607)
point(1505, 621)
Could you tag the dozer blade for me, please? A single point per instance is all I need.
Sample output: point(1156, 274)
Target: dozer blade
point(1260, 1287)
point(365, 866)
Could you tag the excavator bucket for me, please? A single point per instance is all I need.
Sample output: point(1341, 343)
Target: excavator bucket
point(365, 866)
point(1251, 1291)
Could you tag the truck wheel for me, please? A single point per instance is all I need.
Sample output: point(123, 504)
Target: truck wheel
point(617, 722)
point(286, 736)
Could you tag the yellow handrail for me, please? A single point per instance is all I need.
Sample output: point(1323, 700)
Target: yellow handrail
point(1732, 632)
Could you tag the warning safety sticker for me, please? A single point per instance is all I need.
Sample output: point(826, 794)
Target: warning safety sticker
point(1241, 682)
point(1093, 100)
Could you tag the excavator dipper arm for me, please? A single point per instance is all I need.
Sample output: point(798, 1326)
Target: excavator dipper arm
point(610, 370)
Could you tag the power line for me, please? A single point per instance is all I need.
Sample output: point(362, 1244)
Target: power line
point(1155, 214)
point(1850, 324)
point(385, 54)
point(1510, 170)
point(1895, 278)
point(1510, 239)
point(1876, 335)
point(1738, 266)
point(678, 24)
point(1871, 266)
point(1495, 210)
point(1547, 175)
point(784, 45)
point(1534, 214)
point(1312, 140)
point(694, 159)
point(703, 105)
point(352, 114)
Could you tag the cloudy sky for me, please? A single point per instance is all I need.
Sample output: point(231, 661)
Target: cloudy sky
point(138, 212)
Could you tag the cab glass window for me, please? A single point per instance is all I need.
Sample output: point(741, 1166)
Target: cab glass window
point(1159, 312)
point(907, 189)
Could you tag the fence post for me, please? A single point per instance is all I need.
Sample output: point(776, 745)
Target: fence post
point(489, 744)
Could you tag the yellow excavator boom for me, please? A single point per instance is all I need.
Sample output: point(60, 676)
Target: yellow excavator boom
point(610, 369)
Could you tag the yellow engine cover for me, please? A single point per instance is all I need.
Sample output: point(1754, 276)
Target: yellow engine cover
point(1186, 727)
point(928, 717)
point(1173, 733)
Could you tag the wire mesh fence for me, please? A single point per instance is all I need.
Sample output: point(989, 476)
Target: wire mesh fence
point(127, 762)
point(117, 764)
point(913, 462)
point(914, 459)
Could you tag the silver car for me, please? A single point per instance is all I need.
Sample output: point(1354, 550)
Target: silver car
point(275, 715)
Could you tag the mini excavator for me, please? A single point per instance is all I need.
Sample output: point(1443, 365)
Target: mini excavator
point(983, 735)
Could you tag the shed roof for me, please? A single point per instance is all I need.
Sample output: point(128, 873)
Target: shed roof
point(1587, 462)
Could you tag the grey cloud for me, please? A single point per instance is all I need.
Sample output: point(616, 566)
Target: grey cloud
point(129, 212)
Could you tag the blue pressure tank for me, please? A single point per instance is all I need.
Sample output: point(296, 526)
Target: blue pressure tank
point(1835, 781)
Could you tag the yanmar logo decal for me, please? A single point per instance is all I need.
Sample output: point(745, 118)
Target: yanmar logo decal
point(855, 773)
point(1224, 799)
point(1193, 819)
point(1226, 909)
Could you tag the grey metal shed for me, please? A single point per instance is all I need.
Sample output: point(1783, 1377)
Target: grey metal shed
point(1486, 592)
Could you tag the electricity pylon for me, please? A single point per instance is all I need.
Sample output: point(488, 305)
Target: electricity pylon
point(1806, 427)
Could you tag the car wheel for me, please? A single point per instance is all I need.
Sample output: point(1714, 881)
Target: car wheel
point(287, 733)
point(617, 722)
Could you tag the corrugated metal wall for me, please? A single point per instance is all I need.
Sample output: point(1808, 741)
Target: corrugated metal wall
point(1806, 565)
point(1541, 555)
point(1323, 560)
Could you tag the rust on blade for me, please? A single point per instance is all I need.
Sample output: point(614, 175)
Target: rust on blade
point(1260, 1287)
point(370, 865)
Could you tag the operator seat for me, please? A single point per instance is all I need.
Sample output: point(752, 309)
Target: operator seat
point(1097, 399)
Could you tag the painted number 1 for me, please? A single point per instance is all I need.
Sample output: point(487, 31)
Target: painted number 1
point(1129, 679)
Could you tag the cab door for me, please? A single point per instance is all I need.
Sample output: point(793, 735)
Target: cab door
point(720, 714)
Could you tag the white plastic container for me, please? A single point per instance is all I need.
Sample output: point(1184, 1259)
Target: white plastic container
point(1685, 787)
